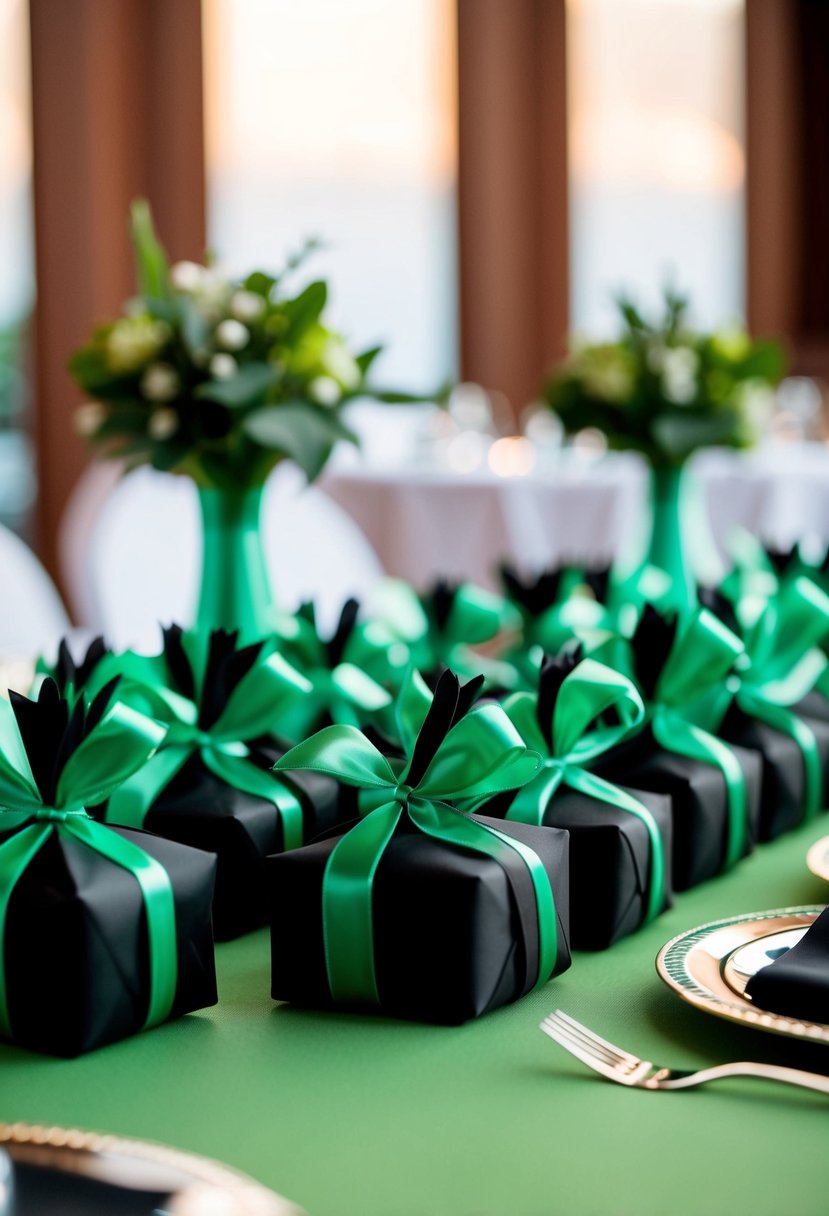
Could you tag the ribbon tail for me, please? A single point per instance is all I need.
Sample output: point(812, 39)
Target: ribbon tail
point(532, 800)
point(347, 922)
point(130, 803)
point(240, 773)
point(15, 855)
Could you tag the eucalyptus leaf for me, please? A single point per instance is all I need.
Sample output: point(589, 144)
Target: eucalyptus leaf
point(298, 431)
point(306, 308)
point(248, 387)
point(150, 258)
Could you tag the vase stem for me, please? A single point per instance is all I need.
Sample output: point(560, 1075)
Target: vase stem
point(235, 588)
point(668, 549)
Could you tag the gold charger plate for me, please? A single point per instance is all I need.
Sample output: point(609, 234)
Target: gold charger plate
point(58, 1170)
point(710, 966)
point(817, 859)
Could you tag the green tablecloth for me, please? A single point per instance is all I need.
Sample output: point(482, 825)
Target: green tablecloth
point(358, 1116)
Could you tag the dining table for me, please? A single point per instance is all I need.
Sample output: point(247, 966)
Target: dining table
point(428, 516)
point(350, 1114)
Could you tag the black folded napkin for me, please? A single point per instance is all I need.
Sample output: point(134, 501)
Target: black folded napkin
point(797, 983)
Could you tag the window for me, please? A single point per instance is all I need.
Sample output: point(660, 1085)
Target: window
point(16, 258)
point(656, 155)
point(338, 121)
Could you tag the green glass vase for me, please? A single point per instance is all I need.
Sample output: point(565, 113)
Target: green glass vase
point(235, 591)
point(668, 548)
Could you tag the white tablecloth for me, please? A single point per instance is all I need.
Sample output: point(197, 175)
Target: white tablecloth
point(424, 521)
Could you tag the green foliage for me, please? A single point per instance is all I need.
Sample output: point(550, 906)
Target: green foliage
point(219, 379)
point(665, 391)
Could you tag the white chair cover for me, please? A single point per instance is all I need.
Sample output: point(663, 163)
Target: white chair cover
point(32, 616)
point(132, 551)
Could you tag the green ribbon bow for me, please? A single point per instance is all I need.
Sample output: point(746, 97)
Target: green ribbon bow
point(567, 745)
point(450, 755)
point(702, 656)
point(783, 662)
point(118, 745)
point(257, 704)
point(440, 628)
point(348, 674)
point(554, 608)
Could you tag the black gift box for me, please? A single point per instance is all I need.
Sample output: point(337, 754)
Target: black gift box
point(76, 943)
point(698, 795)
point(455, 933)
point(813, 705)
point(781, 806)
point(199, 809)
point(610, 858)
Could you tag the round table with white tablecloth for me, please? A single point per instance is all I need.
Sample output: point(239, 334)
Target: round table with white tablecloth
point(425, 519)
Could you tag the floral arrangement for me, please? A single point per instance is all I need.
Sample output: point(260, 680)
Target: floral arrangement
point(664, 390)
point(218, 379)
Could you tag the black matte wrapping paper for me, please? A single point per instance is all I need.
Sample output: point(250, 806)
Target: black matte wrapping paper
point(76, 953)
point(699, 799)
point(455, 933)
point(782, 803)
point(199, 809)
point(610, 857)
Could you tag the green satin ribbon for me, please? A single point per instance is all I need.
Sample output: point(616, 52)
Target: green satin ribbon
point(586, 694)
point(352, 692)
point(480, 756)
point(477, 616)
point(252, 709)
point(703, 655)
point(111, 752)
point(783, 664)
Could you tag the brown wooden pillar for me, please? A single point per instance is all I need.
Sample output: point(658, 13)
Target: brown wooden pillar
point(512, 192)
point(116, 114)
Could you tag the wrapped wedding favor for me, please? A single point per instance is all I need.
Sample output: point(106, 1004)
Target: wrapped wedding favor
point(421, 911)
point(103, 931)
point(765, 706)
point(715, 788)
point(452, 625)
point(554, 607)
point(210, 784)
point(620, 839)
point(348, 673)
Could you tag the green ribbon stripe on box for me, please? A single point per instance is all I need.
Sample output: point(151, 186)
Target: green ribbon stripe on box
point(114, 749)
point(479, 756)
point(589, 691)
point(783, 662)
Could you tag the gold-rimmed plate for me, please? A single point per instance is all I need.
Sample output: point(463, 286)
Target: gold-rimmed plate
point(710, 966)
point(817, 859)
point(59, 1171)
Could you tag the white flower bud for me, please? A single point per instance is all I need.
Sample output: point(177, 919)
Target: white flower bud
point(163, 423)
point(160, 382)
point(232, 335)
point(247, 306)
point(222, 366)
point(340, 363)
point(186, 276)
point(324, 390)
point(88, 418)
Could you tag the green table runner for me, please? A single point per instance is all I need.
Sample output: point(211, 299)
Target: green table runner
point(359, 1116)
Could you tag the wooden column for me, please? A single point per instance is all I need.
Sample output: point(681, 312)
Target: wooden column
point(116, 114)
point(512, 192)
point(787, 188)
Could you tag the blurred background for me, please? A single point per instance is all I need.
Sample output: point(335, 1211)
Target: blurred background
point(484, 173)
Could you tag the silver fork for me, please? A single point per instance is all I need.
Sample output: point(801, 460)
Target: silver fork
point(625, 1069)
